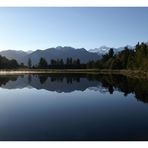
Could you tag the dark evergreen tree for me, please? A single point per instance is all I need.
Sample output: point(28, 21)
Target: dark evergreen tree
point(43, 63)
point(5, 63)
point(29, 63)
point(111, 53)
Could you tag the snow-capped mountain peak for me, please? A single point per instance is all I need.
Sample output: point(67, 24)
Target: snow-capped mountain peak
point(101, 50)
point(104, 49)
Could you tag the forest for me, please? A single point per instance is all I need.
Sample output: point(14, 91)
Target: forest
point(133, 59)
point(136, 58)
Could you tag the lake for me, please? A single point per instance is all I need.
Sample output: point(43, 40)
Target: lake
point(71, 107)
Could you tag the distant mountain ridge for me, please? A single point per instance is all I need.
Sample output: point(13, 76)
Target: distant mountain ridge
point(51, 53)
point(14, 54)
point(58, 53)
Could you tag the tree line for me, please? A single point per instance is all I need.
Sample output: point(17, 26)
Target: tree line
point(6, 63)
point(58, 64)
point(136, 58)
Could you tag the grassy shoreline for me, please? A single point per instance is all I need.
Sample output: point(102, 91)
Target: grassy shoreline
point(130, 73)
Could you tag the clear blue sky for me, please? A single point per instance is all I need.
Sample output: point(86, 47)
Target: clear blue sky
point(41, 28)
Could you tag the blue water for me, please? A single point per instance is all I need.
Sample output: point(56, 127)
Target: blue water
point(47, 112)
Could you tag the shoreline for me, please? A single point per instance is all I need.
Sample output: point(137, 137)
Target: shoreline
point(129, 73)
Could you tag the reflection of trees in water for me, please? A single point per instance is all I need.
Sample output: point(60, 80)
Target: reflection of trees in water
point(53, 79)
point(139, 87)
point(125, 84)
point(42, 79)
point(29, 79)
point(70, 78)
point(111, 89)
point(5, 79)
point(111, 82)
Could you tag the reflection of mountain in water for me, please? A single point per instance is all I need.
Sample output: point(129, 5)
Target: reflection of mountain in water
point(72, 82)
point(58, 84)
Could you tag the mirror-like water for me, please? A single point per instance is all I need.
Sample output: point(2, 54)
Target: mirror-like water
point(73, 107)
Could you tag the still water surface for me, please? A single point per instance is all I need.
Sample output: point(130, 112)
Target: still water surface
point(73, 107)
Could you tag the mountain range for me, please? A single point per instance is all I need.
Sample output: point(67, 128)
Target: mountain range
point(104, 49)
point(58, 53)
